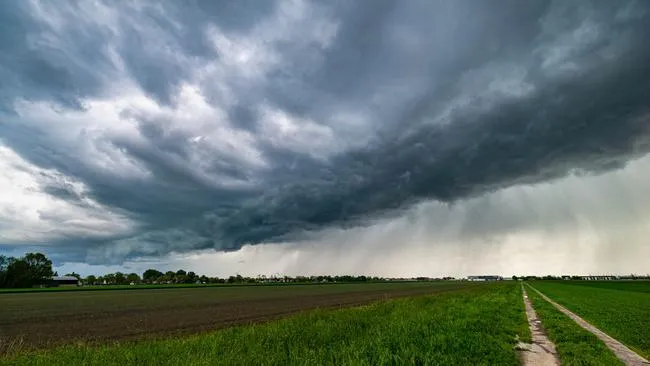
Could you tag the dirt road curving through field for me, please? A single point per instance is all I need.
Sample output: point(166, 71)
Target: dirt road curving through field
point(623, 353)
point(542, 351)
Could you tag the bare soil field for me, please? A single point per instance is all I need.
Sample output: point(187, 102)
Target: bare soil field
point(39, 320)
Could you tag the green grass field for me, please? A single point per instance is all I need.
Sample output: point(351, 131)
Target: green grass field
point(575, 345)
point(620, 309)
point(629, 286)
point(473, 326)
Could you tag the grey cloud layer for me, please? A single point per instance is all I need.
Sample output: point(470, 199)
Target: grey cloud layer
point(321, 114)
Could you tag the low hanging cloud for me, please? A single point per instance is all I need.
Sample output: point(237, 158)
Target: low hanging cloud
point(574, 225)
point(147, 129)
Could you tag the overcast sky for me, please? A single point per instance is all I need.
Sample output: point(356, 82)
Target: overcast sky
point(392, 138)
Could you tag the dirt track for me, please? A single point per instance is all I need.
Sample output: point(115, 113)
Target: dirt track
point(626, 355)
point(541, 352)
point(48, 319)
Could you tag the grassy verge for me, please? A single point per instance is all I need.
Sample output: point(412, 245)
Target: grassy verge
point(623, 312)
point(475, 326)
point(575, 345)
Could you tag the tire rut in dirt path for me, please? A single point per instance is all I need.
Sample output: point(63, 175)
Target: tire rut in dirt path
point(623, 353)
point(542, 351)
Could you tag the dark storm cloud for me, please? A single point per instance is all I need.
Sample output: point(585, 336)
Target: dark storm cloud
point(457, 99)
point(153, 66)
point(37, 70)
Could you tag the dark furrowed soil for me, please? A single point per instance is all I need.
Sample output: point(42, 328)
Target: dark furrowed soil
point(33, 321)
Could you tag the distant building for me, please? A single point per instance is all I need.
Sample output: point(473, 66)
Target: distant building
point(485, 278)
point(599, 278)
point(64, 281)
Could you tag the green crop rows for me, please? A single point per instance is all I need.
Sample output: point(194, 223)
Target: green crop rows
point(620, 309)
point(575, 345)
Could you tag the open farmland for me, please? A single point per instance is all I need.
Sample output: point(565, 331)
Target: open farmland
point(474, 325)
point(620, 309)
point(42, 319)
point(575, 345)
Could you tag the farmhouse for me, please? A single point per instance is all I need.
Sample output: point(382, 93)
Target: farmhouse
point(64, 281)
point(485, 278)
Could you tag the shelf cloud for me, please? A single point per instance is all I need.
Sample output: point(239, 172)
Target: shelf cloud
point(138, 130)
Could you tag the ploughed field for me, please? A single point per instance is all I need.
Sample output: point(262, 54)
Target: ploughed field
point(45, 319)
point(451, 324)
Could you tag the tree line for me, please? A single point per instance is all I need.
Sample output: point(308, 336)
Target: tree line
point(153, 276)
point(35, 269)
point(28, 271)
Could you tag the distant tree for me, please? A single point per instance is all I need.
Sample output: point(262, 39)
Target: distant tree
point(181, 272)
point(109, 278)
point(515, 278)
point(40, 267)
point(133, 278)
point(90, 280)
point(73, 274)
point(27, 271)
point(19, 274)
point(181, 278)
point(163, 279)
point(151, 275)
point(120, 278)
point(192, 277)
point(170, 274)
point(4, 263)
point(301, 279)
